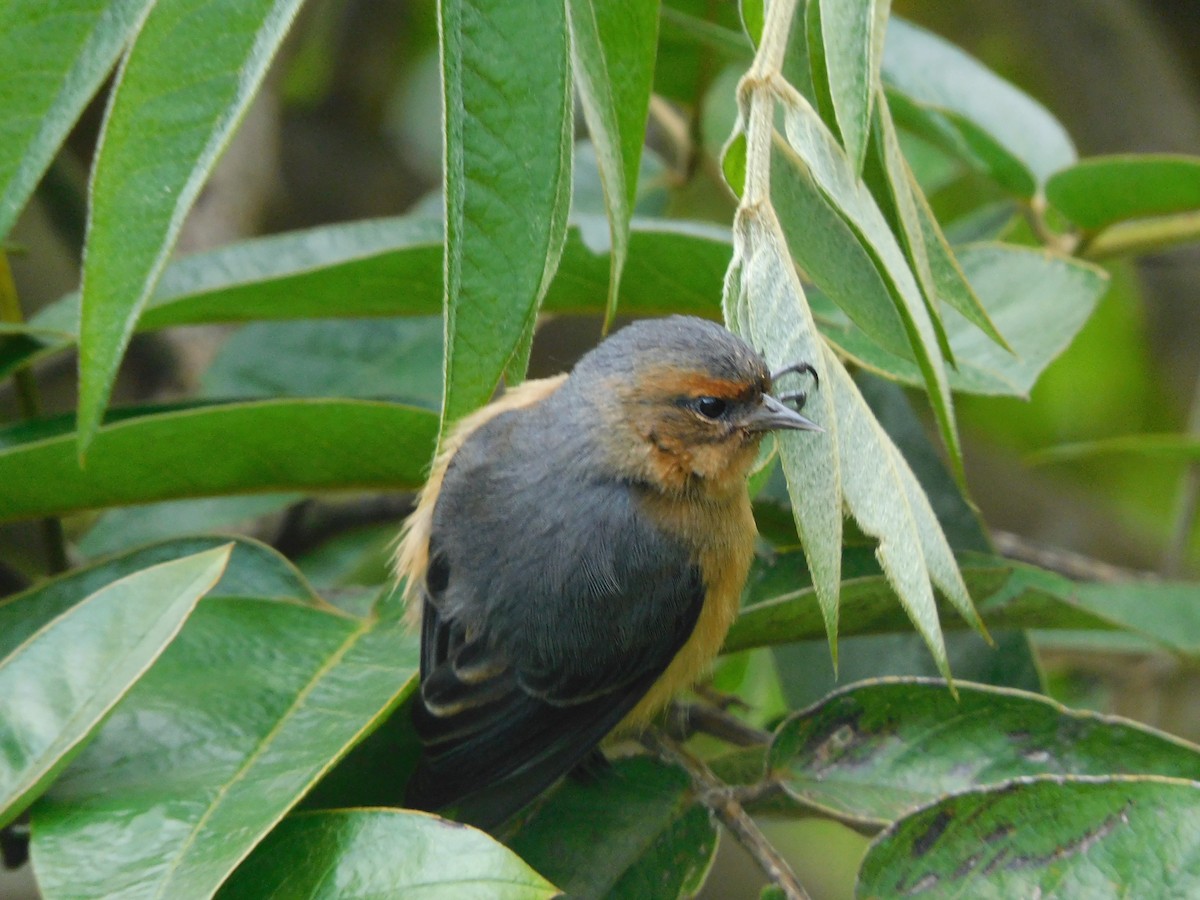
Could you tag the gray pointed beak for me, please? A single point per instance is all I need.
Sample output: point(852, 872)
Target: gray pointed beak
point(772, 415)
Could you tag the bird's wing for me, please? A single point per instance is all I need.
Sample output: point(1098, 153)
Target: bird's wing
point(543, 626)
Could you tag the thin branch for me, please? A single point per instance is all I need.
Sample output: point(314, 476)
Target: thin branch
point(1065, 562)
point(724, 801)
point(687, 719)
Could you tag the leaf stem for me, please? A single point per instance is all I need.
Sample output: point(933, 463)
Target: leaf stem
point(724, 801)
point(29, 404)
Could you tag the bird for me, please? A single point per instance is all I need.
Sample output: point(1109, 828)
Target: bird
point(577, 556)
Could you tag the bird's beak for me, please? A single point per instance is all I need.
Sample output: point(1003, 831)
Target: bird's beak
point(771, 415)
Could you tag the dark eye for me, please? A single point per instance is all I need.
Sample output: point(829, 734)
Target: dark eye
point(710, 407)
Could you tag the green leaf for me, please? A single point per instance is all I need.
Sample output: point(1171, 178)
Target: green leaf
point(336, 856)
point(397, 359)
point(53, 59)
point(123, 529)
point(58, 684)
point(507, 171)
point(854, 753)
point(250, 705)
point(613, 49)
point(832, 172)
point(1100, 191)
point(1038, 302)
point(1169, 447)
point(636, 832)
point(1045, 837)
point(765, 304)
point(850, 35)
point(279, 445)
point(253, 570)
point(186, 82)
point(952, 99)
point(933, 262)
point(674, 266)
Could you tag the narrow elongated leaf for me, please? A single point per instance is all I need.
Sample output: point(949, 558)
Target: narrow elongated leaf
point(337, 856)
point(187, 80)
point(53, 58)
point(851, 38)
point(59, 684)
point(353, 269)
point(613, 49)
point(1037, 301)
point(1047, 837)
point(253, 702)
point(281, 445)
point(942, 93)
point(876, 491)
point(253, 570)
point(831, 171)
point(1169, 447)
point(636, 833)
point(1100, 191)
point(854, 752)
point(507, 155)
point(929, 253)
point(764, 296)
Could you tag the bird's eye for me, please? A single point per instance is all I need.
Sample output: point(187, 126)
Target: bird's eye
point(710, 407)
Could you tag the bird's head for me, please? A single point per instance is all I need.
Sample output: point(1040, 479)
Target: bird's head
point(681, 403)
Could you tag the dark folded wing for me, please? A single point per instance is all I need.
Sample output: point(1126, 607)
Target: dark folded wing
point(543, 627)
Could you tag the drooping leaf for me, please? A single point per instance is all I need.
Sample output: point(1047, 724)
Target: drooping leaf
point(850, 34)
point(1054, 836)
point(53, 59)
point(856, 753)
point(1037, 301)
point(337, 856)
point(831, 171)
point(189, 77)
point(277, 445)
point(1100, 191)
point(765, 300)
point(58, 685)
point(1168, 447)
point(612, 48)
point(937, 90)
point(636, 833)
point(507, 174)
point(250, 705)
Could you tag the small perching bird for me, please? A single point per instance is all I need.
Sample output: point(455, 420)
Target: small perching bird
point(578, 555)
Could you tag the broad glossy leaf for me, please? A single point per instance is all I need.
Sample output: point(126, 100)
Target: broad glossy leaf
point(874, 751)
point(250, 705)
point(1047, 837)
point(849, 35)
point(839, 183)
point(278, 445)
point(613, 50)
point(636, 832)
point(253, 570)
point(364, 854)
point(58, 684)
point(507, 174)
point(1102, 190)
point(947, 96)
point(354, 269)
point(53, 59)
point(1038, 302)
point(184, 85)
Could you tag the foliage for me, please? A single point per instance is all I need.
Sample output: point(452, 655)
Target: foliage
point(257, 741)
